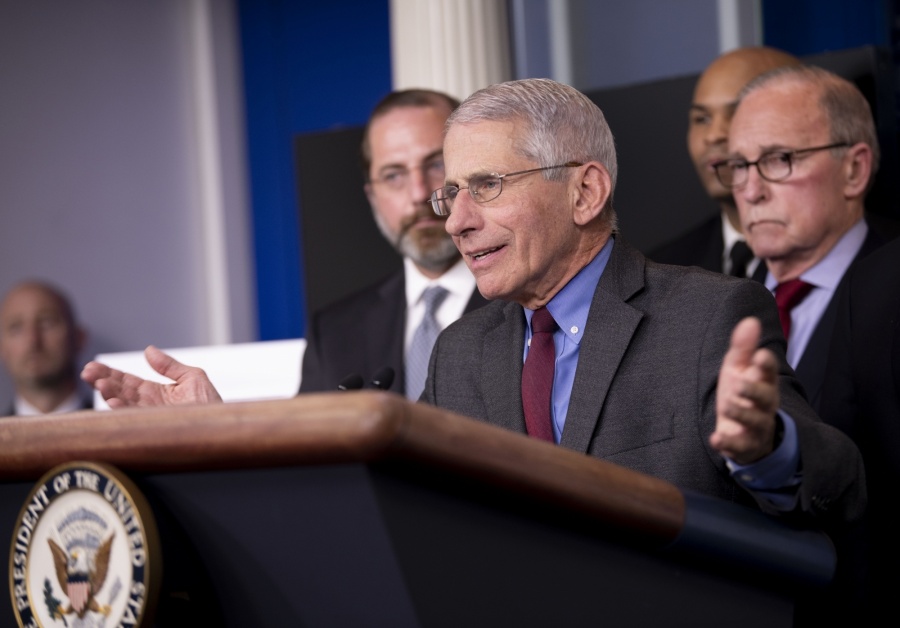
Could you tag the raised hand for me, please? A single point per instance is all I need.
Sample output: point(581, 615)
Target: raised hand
point(190, 384)
point(747, 397)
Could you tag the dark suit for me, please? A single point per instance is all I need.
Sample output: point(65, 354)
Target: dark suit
point(702, 246)
point(862, 397)
point(811, 367)
point(644, 391)
point(360, 334)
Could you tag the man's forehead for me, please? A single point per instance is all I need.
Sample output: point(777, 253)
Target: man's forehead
point(481, 145)
point(778, 117)
point(415, 119)
point(404, 138)
point(31, 298)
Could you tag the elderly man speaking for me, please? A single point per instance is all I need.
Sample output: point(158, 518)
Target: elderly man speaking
point(671, 371)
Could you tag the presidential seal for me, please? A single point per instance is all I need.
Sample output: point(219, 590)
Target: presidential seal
point(85, 551)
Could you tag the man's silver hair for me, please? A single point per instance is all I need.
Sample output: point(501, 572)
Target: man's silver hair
point(561, 125)
point(845, 107)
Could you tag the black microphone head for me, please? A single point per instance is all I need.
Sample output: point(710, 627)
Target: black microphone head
point(353, 381)
point(383, 378)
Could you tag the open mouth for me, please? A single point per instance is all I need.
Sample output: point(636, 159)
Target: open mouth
point(482, 254)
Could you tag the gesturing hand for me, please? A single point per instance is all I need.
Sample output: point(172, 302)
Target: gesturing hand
point(747, 397)
point(191, 385)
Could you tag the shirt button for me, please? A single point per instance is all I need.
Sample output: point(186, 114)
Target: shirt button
point(574, 329)
point(746, 477)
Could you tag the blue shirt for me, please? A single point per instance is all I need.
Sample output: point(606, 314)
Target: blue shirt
point(570, 307)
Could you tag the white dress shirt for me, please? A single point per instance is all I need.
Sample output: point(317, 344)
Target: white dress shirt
point(459, 284)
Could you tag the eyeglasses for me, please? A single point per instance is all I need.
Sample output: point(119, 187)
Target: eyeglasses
point(398, 178)
point(772, 166)
point(482, 189)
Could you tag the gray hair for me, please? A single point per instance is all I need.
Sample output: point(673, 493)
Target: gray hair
point(846, 109)
point(560, 125)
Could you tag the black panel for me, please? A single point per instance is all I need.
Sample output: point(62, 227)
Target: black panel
point(342, 249)
point(658, 195)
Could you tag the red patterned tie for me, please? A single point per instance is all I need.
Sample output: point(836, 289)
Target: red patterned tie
point(787, 296)
point(537, 376)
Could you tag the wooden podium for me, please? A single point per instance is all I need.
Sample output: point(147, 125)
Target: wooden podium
point(363, 509)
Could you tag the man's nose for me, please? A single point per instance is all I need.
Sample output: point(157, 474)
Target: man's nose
point(465, 215)
point(755, 189)
point(717, 131)
point(33, 336)
point(420, 186)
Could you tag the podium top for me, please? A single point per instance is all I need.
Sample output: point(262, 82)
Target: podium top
point(340, 428)
point(379, 428)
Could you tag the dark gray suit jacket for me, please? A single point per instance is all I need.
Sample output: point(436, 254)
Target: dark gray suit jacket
point(360, 334)
point(644, 391)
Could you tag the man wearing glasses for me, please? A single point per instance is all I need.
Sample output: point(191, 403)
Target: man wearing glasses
point(393, 324)
point(667, 370)
point(803, 153)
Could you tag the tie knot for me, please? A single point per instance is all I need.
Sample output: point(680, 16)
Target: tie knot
point(789, 293)
point(432, 298)
point(740, 255)
point(542, 321)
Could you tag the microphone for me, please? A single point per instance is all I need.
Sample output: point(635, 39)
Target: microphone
point(383, 378)
point(353, 381)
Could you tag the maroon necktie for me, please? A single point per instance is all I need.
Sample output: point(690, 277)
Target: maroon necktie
point(537, 376)
point(787, 296)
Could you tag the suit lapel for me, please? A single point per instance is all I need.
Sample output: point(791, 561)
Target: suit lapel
point(610, 327)
point(811, 367)
point(759, 275)
point(501, 376)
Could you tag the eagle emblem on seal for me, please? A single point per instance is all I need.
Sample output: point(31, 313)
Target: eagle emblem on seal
point(81, 574)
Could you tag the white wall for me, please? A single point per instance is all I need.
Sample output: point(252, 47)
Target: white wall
point(105, 167)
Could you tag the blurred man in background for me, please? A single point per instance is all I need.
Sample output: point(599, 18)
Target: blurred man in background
point(39, 345)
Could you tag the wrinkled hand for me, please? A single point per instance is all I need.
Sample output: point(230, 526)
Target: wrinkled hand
point(747, 397)
point(191, 385)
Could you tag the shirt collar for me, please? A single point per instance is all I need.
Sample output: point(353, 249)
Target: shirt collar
point(457, 280)
point(570, 306)
point(71, 403)
point(828, 271)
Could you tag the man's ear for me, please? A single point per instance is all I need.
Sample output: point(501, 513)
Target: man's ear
point(857, 169)
point(591, 189)
point(370, 193)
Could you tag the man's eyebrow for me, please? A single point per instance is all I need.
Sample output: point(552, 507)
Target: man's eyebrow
point(472, 176)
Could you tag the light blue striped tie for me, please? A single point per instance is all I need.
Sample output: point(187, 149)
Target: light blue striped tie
point(422, 342)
